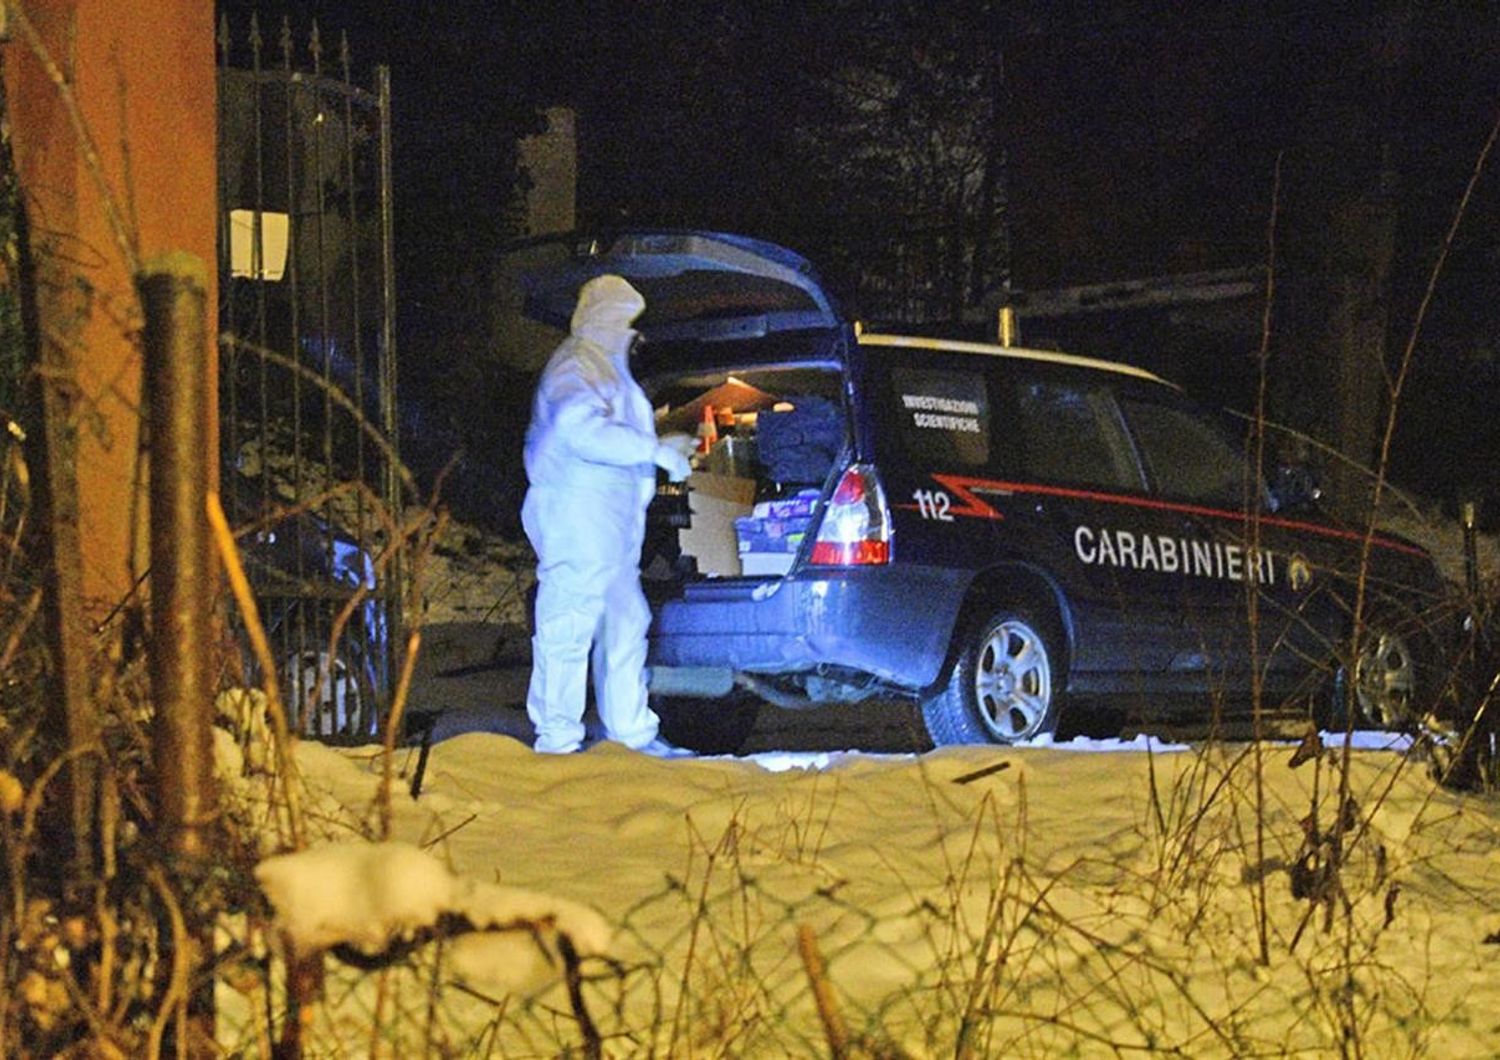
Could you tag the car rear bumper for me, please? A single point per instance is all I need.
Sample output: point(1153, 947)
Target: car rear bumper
point(894, 623)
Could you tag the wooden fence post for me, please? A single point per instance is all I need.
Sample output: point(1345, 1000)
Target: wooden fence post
point(182, 641)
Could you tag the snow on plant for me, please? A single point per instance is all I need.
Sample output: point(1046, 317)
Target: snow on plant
point(373, 897)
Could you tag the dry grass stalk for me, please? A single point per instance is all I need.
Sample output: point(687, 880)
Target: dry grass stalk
point(250, 614)
point(823, 995)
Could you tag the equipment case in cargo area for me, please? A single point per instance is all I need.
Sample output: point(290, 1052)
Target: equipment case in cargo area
point(752, 520)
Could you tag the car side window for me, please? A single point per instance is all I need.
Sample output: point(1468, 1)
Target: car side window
point(1187, 456)
point(1072, 435)
point(944, 416)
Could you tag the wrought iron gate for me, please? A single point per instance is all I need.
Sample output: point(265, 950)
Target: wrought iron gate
point(308, 372)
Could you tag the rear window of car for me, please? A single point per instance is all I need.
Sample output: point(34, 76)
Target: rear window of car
point(944, 415)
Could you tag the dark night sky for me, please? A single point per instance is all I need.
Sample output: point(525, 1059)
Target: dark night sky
point(1142, 139)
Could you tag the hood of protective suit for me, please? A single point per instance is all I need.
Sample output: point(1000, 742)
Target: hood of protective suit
point(606, 305)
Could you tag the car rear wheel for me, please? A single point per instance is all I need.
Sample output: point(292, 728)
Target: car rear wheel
point(708, 726)
point(1003, 685)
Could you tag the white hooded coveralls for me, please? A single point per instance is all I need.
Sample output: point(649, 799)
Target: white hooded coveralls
point(591, 452)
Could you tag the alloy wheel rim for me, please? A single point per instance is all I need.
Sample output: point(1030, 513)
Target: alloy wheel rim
point(1013, 681)
point(1384, 680)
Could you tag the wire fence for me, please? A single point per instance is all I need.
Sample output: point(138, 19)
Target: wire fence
point(760, 949)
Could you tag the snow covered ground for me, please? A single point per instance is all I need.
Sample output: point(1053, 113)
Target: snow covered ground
point(1039, 901)
point(980, 901)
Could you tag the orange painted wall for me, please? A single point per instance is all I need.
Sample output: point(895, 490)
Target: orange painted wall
point(144, 77)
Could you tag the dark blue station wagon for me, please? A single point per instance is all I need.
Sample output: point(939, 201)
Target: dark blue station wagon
point(999, 534)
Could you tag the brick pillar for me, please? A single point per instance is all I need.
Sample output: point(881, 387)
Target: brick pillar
point(142, 75)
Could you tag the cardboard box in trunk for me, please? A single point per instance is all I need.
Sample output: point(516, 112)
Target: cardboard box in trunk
point(716, 501)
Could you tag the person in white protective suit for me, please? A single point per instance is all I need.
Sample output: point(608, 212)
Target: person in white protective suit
point(591, 459)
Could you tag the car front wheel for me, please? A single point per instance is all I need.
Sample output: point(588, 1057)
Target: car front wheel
point(1395, 676)
point(1003, 685)
point(1385, 680)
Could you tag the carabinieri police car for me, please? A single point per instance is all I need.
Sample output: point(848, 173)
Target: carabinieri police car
point(1000, 534)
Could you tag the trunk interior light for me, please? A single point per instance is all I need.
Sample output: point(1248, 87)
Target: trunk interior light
point(856, 528)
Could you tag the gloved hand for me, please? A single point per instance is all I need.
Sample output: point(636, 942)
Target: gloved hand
point(672, 451)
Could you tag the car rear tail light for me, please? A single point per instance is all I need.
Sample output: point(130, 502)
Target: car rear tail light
point(856, 528)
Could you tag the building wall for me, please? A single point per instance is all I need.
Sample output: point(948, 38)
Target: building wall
point(143, 76)
point(550, 161)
